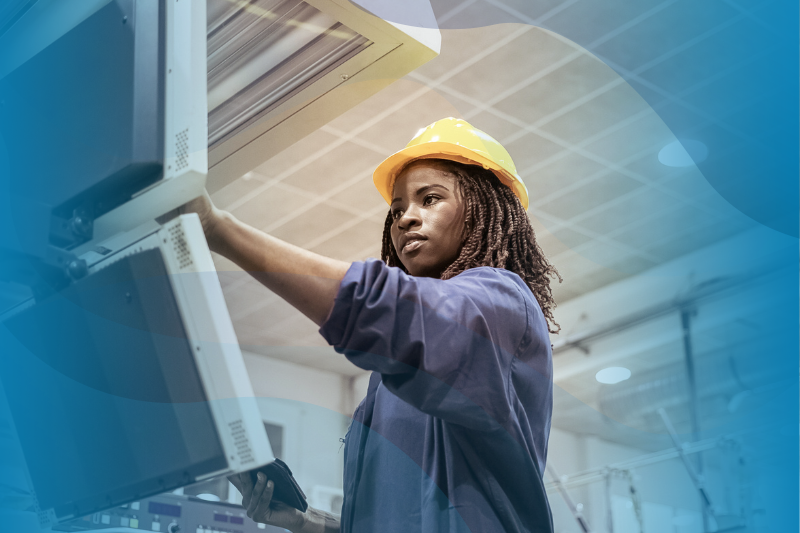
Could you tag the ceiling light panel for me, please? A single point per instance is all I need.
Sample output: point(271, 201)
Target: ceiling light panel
point(262, 52)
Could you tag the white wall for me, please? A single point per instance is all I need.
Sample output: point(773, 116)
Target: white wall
point(313, 407)
point(664, 488)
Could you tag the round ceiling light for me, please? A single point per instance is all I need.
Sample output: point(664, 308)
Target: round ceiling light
point(613, 374)
point(683, 153)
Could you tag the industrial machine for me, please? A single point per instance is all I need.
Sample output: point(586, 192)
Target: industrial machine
point(169, 513)
point(121, 374)
point(130, 382)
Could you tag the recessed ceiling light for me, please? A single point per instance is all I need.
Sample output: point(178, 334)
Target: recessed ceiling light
point(684, 153)
point(613, 374)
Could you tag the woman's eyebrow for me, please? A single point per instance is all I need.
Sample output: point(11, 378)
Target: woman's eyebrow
point(423, 189)
point(426, 187)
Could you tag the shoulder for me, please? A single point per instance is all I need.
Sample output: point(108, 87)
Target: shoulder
point(494, 283)
point(498, 295)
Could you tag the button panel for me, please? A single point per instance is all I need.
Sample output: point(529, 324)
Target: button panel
point(171, 513)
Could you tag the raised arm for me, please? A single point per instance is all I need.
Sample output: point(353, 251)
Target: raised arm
point(306, 280)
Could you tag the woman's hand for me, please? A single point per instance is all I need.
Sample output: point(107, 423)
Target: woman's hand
point(306, 280)
point(257, 500)
point(209, 215)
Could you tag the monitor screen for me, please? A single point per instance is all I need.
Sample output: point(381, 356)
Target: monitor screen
point(105, 393)
point(83, 120)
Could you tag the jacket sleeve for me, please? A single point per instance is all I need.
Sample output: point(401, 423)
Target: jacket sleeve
point(445, 347)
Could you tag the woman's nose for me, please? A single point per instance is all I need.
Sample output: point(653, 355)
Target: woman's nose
point(409, 219)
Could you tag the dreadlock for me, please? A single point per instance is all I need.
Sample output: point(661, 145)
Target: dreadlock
point(497, 233)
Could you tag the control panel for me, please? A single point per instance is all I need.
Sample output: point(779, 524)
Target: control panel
point(171, 513)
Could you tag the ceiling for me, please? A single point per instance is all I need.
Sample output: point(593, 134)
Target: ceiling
point(583, 139)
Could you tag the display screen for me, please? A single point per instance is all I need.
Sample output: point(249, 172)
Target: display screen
point(105, 393)
point(164, 509)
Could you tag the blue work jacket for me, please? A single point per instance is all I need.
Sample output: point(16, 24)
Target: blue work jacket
point(452, 435)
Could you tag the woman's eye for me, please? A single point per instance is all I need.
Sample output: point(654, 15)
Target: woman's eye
point(428, 200)
point(396, 214)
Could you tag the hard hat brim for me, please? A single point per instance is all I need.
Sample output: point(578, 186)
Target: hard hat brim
point(386, 173)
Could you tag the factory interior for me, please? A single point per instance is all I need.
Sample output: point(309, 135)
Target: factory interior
point(653, 369)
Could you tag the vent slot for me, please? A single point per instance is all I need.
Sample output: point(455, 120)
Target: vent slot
point(242, 443)
point(180, 247)
point(182, 150)
point(263, 52)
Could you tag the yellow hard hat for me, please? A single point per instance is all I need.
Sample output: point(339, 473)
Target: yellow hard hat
point(456, 140)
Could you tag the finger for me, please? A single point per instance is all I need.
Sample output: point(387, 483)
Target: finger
point(258, 490)
point(246, 479)
point(266, 498)
point(234, 479)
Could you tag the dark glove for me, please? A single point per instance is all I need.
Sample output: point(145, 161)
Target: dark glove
point(286, 488)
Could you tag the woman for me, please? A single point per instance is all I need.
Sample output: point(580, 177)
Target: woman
point(452, 435)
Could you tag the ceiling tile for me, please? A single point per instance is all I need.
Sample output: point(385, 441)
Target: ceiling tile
point(632, 264)
point(601, 278)
point(264, 317)
point(558, 89)
point(596, 115)
point(691, 240)
point(233, 191)
point(443, 7)
point(333, 169)
point(247, 337)
point(300, 329)
point(461, 45)
point(639, 236)
point(377, 105)
point(645, 136)
point(495, 126)
point(604, 252)
point(534, 10)
point(352, 240)
point(361, 195)
point(504, 68)
point(723, 209)
point(654, 96)
point(658, 35)
point(299, 151)
point(649, 167)
point(372, 252)
point(244, 295)
point(573, 265)
point(309, 225)
point(590, 195)
point(586, 21)
point(549, 243)
point(268, 207)
point(476, 15)
point(644, 234)
point(681, 119)
point(725, 49)
point(644, 204)
point(562, 293)
point(223, 264)
point(571, 238)
point(393, 132)
point(564, 172)
point(530, 150)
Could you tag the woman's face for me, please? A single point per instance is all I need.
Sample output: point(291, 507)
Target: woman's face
point(428, 219)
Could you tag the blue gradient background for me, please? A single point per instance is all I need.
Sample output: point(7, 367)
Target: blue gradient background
point(721, 72)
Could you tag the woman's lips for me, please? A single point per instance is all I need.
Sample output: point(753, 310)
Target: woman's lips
point(412, 245)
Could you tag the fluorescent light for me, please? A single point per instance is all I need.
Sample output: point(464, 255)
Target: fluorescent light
point(612, 375)
point(683, 153)
point(262, 53)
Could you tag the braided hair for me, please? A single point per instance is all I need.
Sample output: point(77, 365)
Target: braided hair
point(497, 233)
